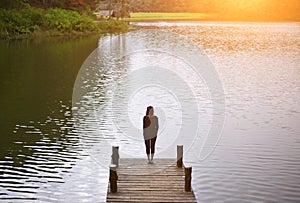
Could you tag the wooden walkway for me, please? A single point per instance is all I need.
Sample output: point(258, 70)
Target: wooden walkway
point(139, 181)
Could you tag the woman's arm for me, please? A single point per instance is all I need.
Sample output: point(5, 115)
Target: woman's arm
point(156, 124)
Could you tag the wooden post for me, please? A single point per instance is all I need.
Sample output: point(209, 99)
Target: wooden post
point(188, 179)
point(115, 155)
point(113, 177)
point(179, 155)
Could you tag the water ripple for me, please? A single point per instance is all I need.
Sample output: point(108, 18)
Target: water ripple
point(257, 159)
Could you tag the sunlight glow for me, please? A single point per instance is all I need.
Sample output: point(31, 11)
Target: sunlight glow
point(259, 9)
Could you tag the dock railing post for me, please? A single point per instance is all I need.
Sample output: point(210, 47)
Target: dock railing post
point(188, 179)
point(179, 155)
point(115, 155)
point(113, 177)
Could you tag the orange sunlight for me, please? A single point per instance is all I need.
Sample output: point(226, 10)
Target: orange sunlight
point(259, 9)
point(245, 4)
point(243, 9)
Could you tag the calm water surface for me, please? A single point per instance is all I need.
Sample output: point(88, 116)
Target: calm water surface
point(56, 140)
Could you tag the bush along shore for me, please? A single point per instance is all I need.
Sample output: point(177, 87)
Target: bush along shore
point(31, 21)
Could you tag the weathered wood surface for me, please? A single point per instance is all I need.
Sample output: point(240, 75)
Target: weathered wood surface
point(139, 181)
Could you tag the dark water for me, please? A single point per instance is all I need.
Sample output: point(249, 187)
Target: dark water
point(37, 79)
point(55, 140)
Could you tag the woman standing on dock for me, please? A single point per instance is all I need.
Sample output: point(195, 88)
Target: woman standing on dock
point(150, 129)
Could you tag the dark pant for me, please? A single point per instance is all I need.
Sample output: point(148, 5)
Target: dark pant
point(150, 144)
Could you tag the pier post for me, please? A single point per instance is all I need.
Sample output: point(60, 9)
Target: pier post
point(113, 177)
point(179, 155)
point(188, 179)
point(115, 155)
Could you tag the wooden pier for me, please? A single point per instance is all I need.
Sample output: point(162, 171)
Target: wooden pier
point(138, 181)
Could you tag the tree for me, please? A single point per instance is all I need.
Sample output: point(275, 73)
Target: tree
point(8, 4)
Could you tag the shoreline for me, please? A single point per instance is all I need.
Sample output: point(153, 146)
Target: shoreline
point(54, 34)
point(210, 17)
point(211, 21)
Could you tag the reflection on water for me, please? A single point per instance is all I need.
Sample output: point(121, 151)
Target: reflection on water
point(39, 144)
point(174, 79)
point(48, 154)
point(257, 158)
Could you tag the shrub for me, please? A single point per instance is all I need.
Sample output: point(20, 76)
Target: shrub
point(67, 21)
point(14, 23)
point(17, 23)
point(112, 26)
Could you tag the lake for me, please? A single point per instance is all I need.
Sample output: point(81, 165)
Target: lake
point(229, 92)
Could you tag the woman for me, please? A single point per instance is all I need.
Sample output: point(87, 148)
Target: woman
point(150, 129)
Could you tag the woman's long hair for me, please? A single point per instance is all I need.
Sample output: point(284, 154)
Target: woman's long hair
point(147, 121)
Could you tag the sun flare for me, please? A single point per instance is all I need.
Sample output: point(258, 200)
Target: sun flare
point(259, 9)
point(245, 3)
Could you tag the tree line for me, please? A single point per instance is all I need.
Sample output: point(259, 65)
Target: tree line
point(47, 4)
point(225, 9)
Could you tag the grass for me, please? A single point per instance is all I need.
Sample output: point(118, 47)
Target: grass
point(169, 16)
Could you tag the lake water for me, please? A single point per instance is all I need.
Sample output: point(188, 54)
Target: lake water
point(230, 92)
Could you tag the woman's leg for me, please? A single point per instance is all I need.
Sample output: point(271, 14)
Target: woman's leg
point(153, 140)
point(147, 144)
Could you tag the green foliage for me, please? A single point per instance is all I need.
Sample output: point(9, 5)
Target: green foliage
point(68, 21)
point(14, 23)
point(19, 23)
point(112, 26)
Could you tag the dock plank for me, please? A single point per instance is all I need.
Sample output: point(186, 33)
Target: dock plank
point(139, 181)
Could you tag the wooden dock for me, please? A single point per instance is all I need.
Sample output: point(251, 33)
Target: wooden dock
point(139, 181)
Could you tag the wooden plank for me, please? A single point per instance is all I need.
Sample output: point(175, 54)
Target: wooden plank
point(139, 181)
